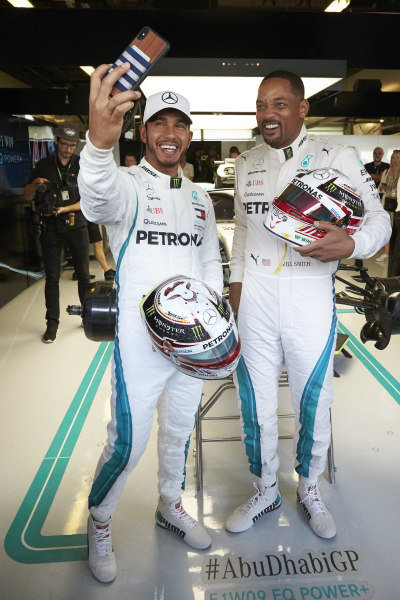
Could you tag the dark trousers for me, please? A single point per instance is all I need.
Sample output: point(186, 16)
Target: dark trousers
point(394, 248)
point(52, 243)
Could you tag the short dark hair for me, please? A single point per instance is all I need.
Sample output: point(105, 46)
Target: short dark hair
point(296, 83)
point(156, 116)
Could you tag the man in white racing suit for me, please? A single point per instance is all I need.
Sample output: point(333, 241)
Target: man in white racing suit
point(287, 312)
point(159, 225)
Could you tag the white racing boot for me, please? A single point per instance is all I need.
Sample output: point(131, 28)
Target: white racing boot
point(174, 517)
point(320, 519)
point(244, 516)
point(101, 553)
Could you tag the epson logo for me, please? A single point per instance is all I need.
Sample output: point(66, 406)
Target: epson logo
point(149, 171)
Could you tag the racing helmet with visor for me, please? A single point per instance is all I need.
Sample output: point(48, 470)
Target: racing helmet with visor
point(320, 195)
point(193, 326)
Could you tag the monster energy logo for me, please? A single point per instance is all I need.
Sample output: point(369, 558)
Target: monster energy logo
point(175, 182)
point(223, 311)
point(197, 332)
point(151, 310)
point(330, 187)
point(288, 152)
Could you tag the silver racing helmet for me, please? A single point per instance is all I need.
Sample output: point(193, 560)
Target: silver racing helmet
point(193, 326)
point(319, 195)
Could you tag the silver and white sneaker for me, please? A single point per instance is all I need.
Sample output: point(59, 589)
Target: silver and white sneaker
point(101, 553)
point(244, 516)
point(174, 518)
point(320, 519)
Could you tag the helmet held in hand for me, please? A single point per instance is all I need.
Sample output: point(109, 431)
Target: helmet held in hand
point(192, 326)
point(320, 195)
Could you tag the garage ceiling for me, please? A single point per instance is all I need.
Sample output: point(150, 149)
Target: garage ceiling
point(42, 48)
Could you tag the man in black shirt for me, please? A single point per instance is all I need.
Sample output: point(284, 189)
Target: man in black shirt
point(61, 220)
point(376, 167)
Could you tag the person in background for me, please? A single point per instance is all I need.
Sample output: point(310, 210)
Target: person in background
point(233, 152)
point(389, 188)
point(198, 163)
point(376, 167)
point(62, 223)
point(130, 159)
point(96, 239)
point(285, 300)
point(187, 168)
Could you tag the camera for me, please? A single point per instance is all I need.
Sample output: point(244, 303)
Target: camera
point(49, 194)
point(47, 198)
point(142, 34)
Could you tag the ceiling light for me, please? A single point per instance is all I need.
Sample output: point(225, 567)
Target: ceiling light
point(88, 70)
point(337, 5)
point(223, 94)
point(233, 135)
point(21, 3)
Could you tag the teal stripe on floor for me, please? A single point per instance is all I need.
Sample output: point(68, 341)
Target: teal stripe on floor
point(24, 541)
point(386, 379)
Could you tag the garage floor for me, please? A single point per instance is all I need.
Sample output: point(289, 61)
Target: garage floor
point(54, 410)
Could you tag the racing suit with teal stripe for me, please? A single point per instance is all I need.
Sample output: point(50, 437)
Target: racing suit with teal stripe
point(287, 308)
point(155, 231)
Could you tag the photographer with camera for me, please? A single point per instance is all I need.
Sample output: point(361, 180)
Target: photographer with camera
point(54, 190)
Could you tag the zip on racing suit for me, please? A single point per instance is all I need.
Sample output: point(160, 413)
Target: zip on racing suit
point(287, 309)
point(156, 231)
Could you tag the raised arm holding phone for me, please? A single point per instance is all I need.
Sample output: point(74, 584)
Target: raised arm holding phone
point(159, 224)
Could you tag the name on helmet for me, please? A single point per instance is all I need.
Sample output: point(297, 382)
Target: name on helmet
point(219, 338)
point(307, 188)
point(167, 327)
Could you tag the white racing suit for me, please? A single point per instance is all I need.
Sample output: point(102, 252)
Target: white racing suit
point(287, 310)
point(155, 231)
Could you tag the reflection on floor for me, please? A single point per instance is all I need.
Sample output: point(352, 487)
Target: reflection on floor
point(54, 410)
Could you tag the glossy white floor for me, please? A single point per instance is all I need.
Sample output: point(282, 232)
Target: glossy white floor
point(54, 410)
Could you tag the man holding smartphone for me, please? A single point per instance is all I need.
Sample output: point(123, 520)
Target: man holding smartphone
point(159, 224)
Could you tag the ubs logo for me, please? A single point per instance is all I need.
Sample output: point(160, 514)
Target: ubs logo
point(169, 98)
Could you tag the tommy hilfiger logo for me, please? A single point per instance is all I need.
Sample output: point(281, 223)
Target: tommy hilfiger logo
point(200, 213)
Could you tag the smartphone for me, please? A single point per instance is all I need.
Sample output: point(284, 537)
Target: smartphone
point(143, 53)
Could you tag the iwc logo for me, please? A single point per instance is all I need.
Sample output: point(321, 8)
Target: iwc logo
point(169, 98)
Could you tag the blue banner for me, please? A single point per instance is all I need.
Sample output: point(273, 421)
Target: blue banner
point(15, 160)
